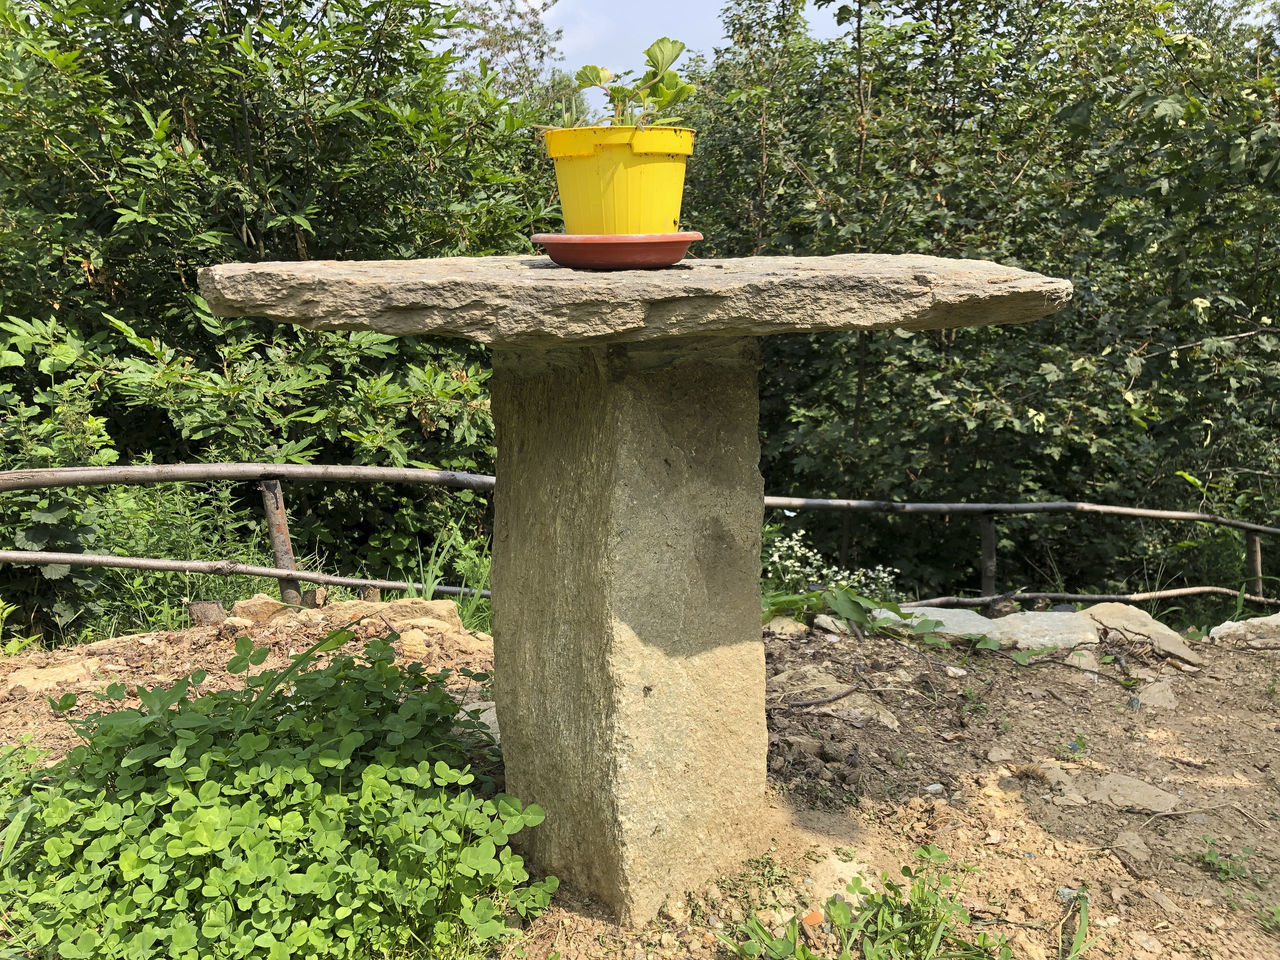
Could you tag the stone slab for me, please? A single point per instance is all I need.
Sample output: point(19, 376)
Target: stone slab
point(628, 661)
point(1134, 623)
point(529, 301)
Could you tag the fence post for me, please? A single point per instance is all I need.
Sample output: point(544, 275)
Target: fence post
point(987, 524)
point(278, 532)
point(1253, 562)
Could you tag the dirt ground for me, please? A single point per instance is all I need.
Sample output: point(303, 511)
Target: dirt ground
point(1048, 779)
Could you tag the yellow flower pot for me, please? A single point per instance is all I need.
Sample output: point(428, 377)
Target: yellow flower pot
point(620, 180)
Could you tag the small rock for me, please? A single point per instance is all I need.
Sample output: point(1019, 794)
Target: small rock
point(806, 682)
point(799, 744)
point(1131, 843)
point(953, 623)
point(934, 789)
point(1070, 799)
point(1054, 774)
point(258, 609)
point(26, 681)
point(786, 627)
point(1145, 941)
point(203, 613)
point(769, 918)
point(1160, 899)
point(812, 918)
point(487, 713)
point(668, 940)
point(414, 644)
point(1068, 894)
point(999, 755)
point(836, 752)
point(830, 624)
point(1086, 658)
point(1038, 631)
point(313, 599)
point(240, 623)
point(1247, 632)
point(955, 673)
point(1159, 696)
point(676, 910)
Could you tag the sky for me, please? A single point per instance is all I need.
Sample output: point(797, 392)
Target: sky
point(614, 33)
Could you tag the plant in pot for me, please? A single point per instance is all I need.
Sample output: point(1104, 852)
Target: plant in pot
point(621, 182)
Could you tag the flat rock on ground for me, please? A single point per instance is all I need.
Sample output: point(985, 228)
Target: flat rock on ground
point(1031, 630)
point(1261, 632)
point(1137, 624)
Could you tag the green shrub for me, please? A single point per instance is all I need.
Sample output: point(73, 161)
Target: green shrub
point(137, 147)
point(326, 812)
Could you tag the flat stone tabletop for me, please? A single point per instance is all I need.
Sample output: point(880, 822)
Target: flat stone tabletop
point(530, 302)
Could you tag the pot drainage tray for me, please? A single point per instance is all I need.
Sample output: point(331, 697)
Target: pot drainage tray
point(624, 251)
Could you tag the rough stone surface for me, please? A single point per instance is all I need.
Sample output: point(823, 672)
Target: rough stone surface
point(1138, 624)
point(259, 608)
point(627, 651)
point(955, 622)
point(1258, 631)
point(529, 301)
point(37, 680)
point(204, 612)
point(1018, 631)
point(1037, 631)
point(1158, 696)
point(403, 611)
point(1129, 793)
point(786, 627)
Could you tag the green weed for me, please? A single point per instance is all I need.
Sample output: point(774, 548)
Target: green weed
point(919, 918)
point(345, 811)
point(1227, 866)
point(1269, 917)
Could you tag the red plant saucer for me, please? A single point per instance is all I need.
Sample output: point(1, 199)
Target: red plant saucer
point(624, 251)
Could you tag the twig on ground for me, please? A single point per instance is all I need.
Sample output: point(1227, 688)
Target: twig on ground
point(1249, 816)
point(797, 704)
point(1184, 813)
point(1063, 663)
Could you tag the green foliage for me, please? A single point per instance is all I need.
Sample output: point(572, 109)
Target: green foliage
point(137, 147)
point(1226, 865)
point(919, 919)
point(1269, 917)
point(315, 812)
point(791, 563)
point(1130, 146)
point(649, 99)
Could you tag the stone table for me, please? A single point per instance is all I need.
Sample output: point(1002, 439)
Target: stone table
point(629, 667)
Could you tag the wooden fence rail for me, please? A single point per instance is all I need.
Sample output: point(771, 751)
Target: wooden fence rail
point(269, 476)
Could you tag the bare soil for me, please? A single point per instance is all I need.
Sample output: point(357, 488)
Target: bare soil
point(1005, 767)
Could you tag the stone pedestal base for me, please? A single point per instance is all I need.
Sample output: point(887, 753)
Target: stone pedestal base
point(626, 562)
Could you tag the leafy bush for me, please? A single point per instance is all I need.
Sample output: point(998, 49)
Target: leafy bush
point(326, 812)
point(1130, 146)
point(137, 147)
point(791, 563)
